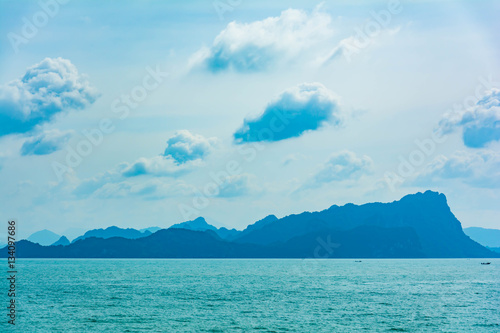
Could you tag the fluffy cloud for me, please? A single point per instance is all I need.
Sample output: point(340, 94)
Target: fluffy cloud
point(249, 47)
point(185, 152)
point(480, 168)
point(480, 124)
point(46, 89)
point(305, 107)
point(185, 146)
point(158, 166)
point(45, 143)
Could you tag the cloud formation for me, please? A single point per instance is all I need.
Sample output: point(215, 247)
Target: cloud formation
point(158, 166)
point(45, 143)
point(480, 124)
point(256, 46)
point(46, 89)
point(303, 108)
point(480, 168)
point(185, 152)
point(123, 179)
point(185, 146)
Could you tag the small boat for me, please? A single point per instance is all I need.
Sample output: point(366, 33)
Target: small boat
point(486, 263)
point(357, 261)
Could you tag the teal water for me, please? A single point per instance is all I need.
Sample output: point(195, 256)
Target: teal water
point(257, 295)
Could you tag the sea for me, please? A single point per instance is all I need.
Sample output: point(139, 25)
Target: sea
point(246, 295)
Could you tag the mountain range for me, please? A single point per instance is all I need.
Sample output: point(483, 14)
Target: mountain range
point(110, 232)
point(420, 225)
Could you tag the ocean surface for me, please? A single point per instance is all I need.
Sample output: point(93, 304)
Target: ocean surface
point(256, 295)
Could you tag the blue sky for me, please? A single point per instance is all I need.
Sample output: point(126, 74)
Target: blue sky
point(155, 112)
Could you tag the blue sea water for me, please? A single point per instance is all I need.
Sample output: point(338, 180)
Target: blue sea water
point(256, 295)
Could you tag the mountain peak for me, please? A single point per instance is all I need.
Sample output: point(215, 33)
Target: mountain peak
point(427, 195)
point(198, 224)
point(62, 241)
point(44, 237)
point(200, 220)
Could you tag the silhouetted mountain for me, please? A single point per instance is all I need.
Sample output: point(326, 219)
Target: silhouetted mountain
point(114, 232)
point(200, 224)
point(361, 242)
point(166, 243)
point(417, 226)
point(485, 237)
point(428, 214)
point(44, 237)
point(226, 233)
point(62, 241)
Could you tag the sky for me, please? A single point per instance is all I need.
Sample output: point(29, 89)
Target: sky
point(152, 113)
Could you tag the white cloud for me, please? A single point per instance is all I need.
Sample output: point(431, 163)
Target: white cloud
point(303, 108)
point(47, 88)
point(184, 153)
point(255, 46)
point(185, 146)
point(158, 166)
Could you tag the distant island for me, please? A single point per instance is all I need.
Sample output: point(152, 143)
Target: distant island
point(419, 225)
